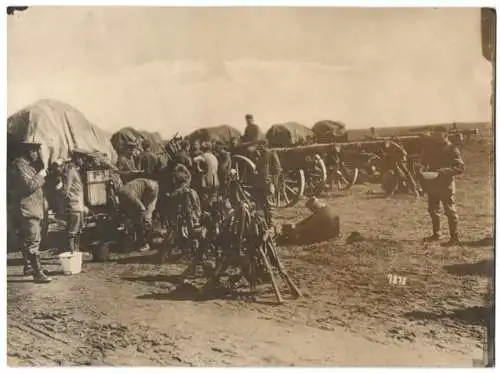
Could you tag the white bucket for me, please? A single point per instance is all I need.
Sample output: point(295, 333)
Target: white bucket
point(71, 262)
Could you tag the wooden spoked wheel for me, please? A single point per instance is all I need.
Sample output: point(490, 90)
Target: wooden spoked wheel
point(245, 170)
point(316, 176)
point(344, 180)
point(289, 187)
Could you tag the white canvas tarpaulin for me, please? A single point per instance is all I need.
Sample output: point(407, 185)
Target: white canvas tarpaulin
point(59, 128)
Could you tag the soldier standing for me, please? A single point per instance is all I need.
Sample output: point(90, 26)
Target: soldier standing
point(126, 161)
point(27, 183)
point(195, 149)
point(148, 161)
point(442, 157)
point(74, 197)
point(207, 175)
point(223, 172)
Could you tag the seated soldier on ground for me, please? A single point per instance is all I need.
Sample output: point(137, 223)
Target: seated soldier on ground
point(323, 224)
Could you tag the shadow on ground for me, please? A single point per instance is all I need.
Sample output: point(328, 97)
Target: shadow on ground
point(189, 292)
point(173, 279)
point(149, 259)
point(471, 316)
point(485, 242)
point(482, 268)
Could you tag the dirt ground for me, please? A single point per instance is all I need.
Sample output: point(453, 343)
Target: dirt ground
point(125, 313)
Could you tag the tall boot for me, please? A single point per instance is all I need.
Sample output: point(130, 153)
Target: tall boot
point(27, 268)
point(39, 275)
point(72, 244)
point(436, 230)
point(77, 242)
point(453, 226)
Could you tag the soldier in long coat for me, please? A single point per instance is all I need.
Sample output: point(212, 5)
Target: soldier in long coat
point(26, 182)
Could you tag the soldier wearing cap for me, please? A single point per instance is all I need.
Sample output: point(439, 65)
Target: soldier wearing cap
point(182, 156)
point(442, 157)
point(126, 161)
point(148, 160)
point(195, 149)
point(268, 168)
point(26, 183)
point(252, 133)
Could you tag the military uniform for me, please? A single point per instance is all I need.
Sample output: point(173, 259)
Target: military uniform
point(322, 225)
point(207, 178)
point(224, 169)
point(28, 197)
point(395, 159)
point(253, 133)
point(138, 200)
point(126, 163)
point(447, 161)
point(149, 162)
point(73, 191)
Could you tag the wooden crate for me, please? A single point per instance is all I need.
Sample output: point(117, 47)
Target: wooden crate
point(97, 181)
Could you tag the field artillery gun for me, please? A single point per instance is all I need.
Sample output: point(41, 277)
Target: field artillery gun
point(306, 168)
point(304, 171)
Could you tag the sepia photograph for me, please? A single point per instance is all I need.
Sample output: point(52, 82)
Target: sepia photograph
point(250, 186)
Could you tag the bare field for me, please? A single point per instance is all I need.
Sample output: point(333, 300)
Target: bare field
point(124, 312)
point(359, 134)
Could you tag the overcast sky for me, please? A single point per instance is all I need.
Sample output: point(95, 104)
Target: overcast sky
point(171, 69)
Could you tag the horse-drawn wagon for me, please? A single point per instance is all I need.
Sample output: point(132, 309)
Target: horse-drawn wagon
point(60, 130)
point(304, 170)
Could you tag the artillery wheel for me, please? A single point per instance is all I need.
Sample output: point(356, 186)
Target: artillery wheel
point(289, 188)
point(344, 182)
point(245, 169)
point(316, 176)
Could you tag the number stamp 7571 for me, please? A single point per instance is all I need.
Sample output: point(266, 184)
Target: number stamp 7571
point(396, 279)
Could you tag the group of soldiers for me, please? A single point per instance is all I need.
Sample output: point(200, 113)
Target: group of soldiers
point(186, 185)
point(178, 189)
point(440, 157)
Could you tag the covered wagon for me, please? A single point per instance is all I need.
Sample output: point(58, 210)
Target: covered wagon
point(128, 134)
point(62, 129)
point(59, 128)
point(289, 134)
point(327, 131)
point(222, 133)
